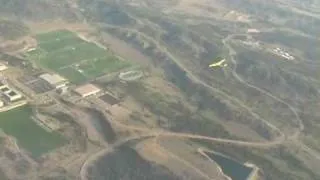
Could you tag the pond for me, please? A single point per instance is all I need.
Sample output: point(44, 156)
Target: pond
point(230, 167)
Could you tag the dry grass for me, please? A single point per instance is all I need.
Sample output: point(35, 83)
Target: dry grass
point(129, 105)
point(242, 131)
point(201, 8)
point(124, 50)
point(149, 150)
point(158, 84)
point(42, 27)
point(187, 153)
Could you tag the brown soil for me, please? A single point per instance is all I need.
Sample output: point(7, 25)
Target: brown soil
point(43, 27)
point(124, 50)
point(180, 157)
point(243, 131)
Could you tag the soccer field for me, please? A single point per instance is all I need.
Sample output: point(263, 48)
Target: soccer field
point(30, 136)
point(75, 59)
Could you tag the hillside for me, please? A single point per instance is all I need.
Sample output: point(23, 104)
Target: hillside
point(259, 105)
point(12, 29)
point(36, 9)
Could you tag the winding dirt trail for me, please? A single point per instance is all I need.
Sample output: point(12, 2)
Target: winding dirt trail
point(94, 157)
point(159, 132)
point(232, 54)
point(165, 134)
point(294, 137)
point(197, 80)
point(156, 132)
point(148, 133)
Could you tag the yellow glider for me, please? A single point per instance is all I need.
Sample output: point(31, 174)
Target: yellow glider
point(220, 64)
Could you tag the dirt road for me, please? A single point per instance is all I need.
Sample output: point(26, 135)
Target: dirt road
point(156, 132)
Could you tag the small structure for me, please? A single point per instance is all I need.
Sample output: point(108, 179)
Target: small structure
point(31, 49)
point(3, 67)
point(2, 85)
point(12, 95)
point(130, 75)
point(87, 90)
point(63, 90)
point(55, 80)
point(5, 89)
point(1, 104)
point(253, 31)
point(282, 53)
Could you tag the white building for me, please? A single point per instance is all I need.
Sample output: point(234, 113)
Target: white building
point(2, 85)
point(12, 95)
point(253, 31)
point(87, 90)
point(55, 80)
point(1, 103)
point(3, 67)
point(4, 88)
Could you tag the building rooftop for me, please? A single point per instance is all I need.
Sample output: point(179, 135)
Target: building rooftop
point(53, 79)
point(87, 90)
point(5, 89)
point(13, 95)
point(3, 85)
point(3, 67)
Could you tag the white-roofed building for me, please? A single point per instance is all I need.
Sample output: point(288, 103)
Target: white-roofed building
point(3, 67)
point(12, 95)
point(5, 89)
point(253, 31)
point(2, 85)
point(55, 80)
point(87, 90)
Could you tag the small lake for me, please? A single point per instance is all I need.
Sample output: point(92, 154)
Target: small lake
point(230, 167)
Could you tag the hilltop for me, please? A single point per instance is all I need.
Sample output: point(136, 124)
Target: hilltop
point(136, 89)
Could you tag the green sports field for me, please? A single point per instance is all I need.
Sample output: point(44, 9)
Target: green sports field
point(30, 136)
point(75, 59)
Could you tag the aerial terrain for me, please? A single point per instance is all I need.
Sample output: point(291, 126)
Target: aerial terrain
point(159, 90)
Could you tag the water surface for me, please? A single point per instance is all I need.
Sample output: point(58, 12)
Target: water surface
point(230, 167)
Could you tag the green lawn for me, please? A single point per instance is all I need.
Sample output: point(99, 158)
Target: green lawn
point(49, 36)
point(103, 65)
point(30, 136)
point(56, 45)
point(73, 74)
point(65, 53)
